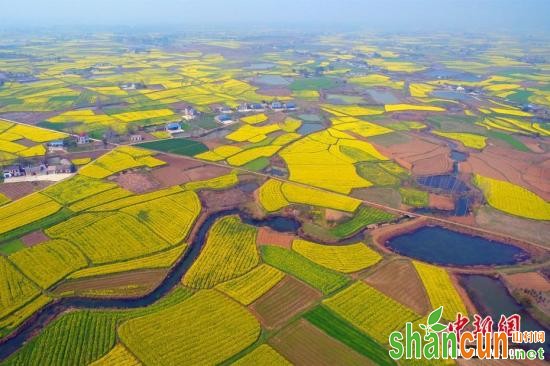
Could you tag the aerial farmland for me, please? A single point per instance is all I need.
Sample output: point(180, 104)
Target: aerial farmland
point(256, 198)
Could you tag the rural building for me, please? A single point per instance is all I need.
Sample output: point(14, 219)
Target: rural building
point(277, 106)
point(224, 119)
point(136, 138)
point(82, 138)
point(13, 171)
point(54, 146)
point(243, 108)
point(290, 106)
point(59, 166)
point(190, 113)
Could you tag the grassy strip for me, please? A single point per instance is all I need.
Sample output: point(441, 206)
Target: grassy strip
point(293, 263)
point(177, 146)
point(341, 330)
point(365, 216)
point(46, 222)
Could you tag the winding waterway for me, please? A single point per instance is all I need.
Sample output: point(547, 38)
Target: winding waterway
point(36, 323)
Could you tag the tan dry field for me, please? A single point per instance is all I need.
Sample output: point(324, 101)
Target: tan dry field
point(399, 280)
point(282, 302)
point(304, 344)
point(267, 236)
point(175, 171)
point(441, 202)
point(137, 182)
point(222, 200)
point(531, 230)
point(524, 169)
point(36, 237)
point(127, 284)
point(15, 191)
point(423, 157)
point(529, 280)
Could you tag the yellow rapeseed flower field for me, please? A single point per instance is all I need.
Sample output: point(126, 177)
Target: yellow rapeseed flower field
point(343, 258)
point(205, 329)
point(513, 199)
point(468, 139)
point(440, 290)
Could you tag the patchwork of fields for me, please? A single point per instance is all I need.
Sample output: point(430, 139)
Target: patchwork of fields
point(236, 212)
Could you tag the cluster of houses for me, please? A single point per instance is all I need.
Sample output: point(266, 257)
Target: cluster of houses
point(225, 117)
point(54, 165)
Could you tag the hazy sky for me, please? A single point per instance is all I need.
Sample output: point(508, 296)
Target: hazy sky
point(511, 15)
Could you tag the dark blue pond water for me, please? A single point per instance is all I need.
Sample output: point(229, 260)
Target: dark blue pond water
point(453, 95)
point(458, 155)
point(445, 182)
point(435, 244)
point(308, 128)
point(491, 297)
point(462, 204)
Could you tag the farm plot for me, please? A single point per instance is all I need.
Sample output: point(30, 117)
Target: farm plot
point(370, 310)
point(323, 279)
point(263, 355)
point(342, 258)
point(170, 217)
point(76, 338)
point(215, 329)
point(119, 355)
point(99, 199)
point(163, 259)
point(120, 159)
point(440, 290)
point(313, 159)
point(282, 302)
point(49, 262)
point(108, 237)
point(399, 280)
point(513, 199)
point(249, 287)
point(363, 217)
point(229, 252)
point(218, 183)
point(344, 332)
point(271, 196)
point(25, 211)
point(77, 188)
point(315, 197)
point(467, 139)
point(137, 199)
point(303, 344)
point(251, 154)
point(414, 197)
point(15, 289)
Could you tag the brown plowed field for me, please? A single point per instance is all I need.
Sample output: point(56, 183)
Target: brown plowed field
point(304, 344)
point(283, 301)
point(399, 280)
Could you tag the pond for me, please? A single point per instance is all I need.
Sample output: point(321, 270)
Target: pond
point(439, 245)
point(310, 117)
point(382, 96)
point(445, 182)
point(458, 155)
point(453, 95)
point(491, 297)
point(308, 128)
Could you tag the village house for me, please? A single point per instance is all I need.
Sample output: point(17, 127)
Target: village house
point(82, 139)
point(190, 113)
point(225, 110)
point(12, 171)
point(136, 138)
point(224, 119)
point(59, 166)
point(290, 106)
point(277, 106)
point(56, 146)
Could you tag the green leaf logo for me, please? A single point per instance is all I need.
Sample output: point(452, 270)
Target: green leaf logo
point(433, 325)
